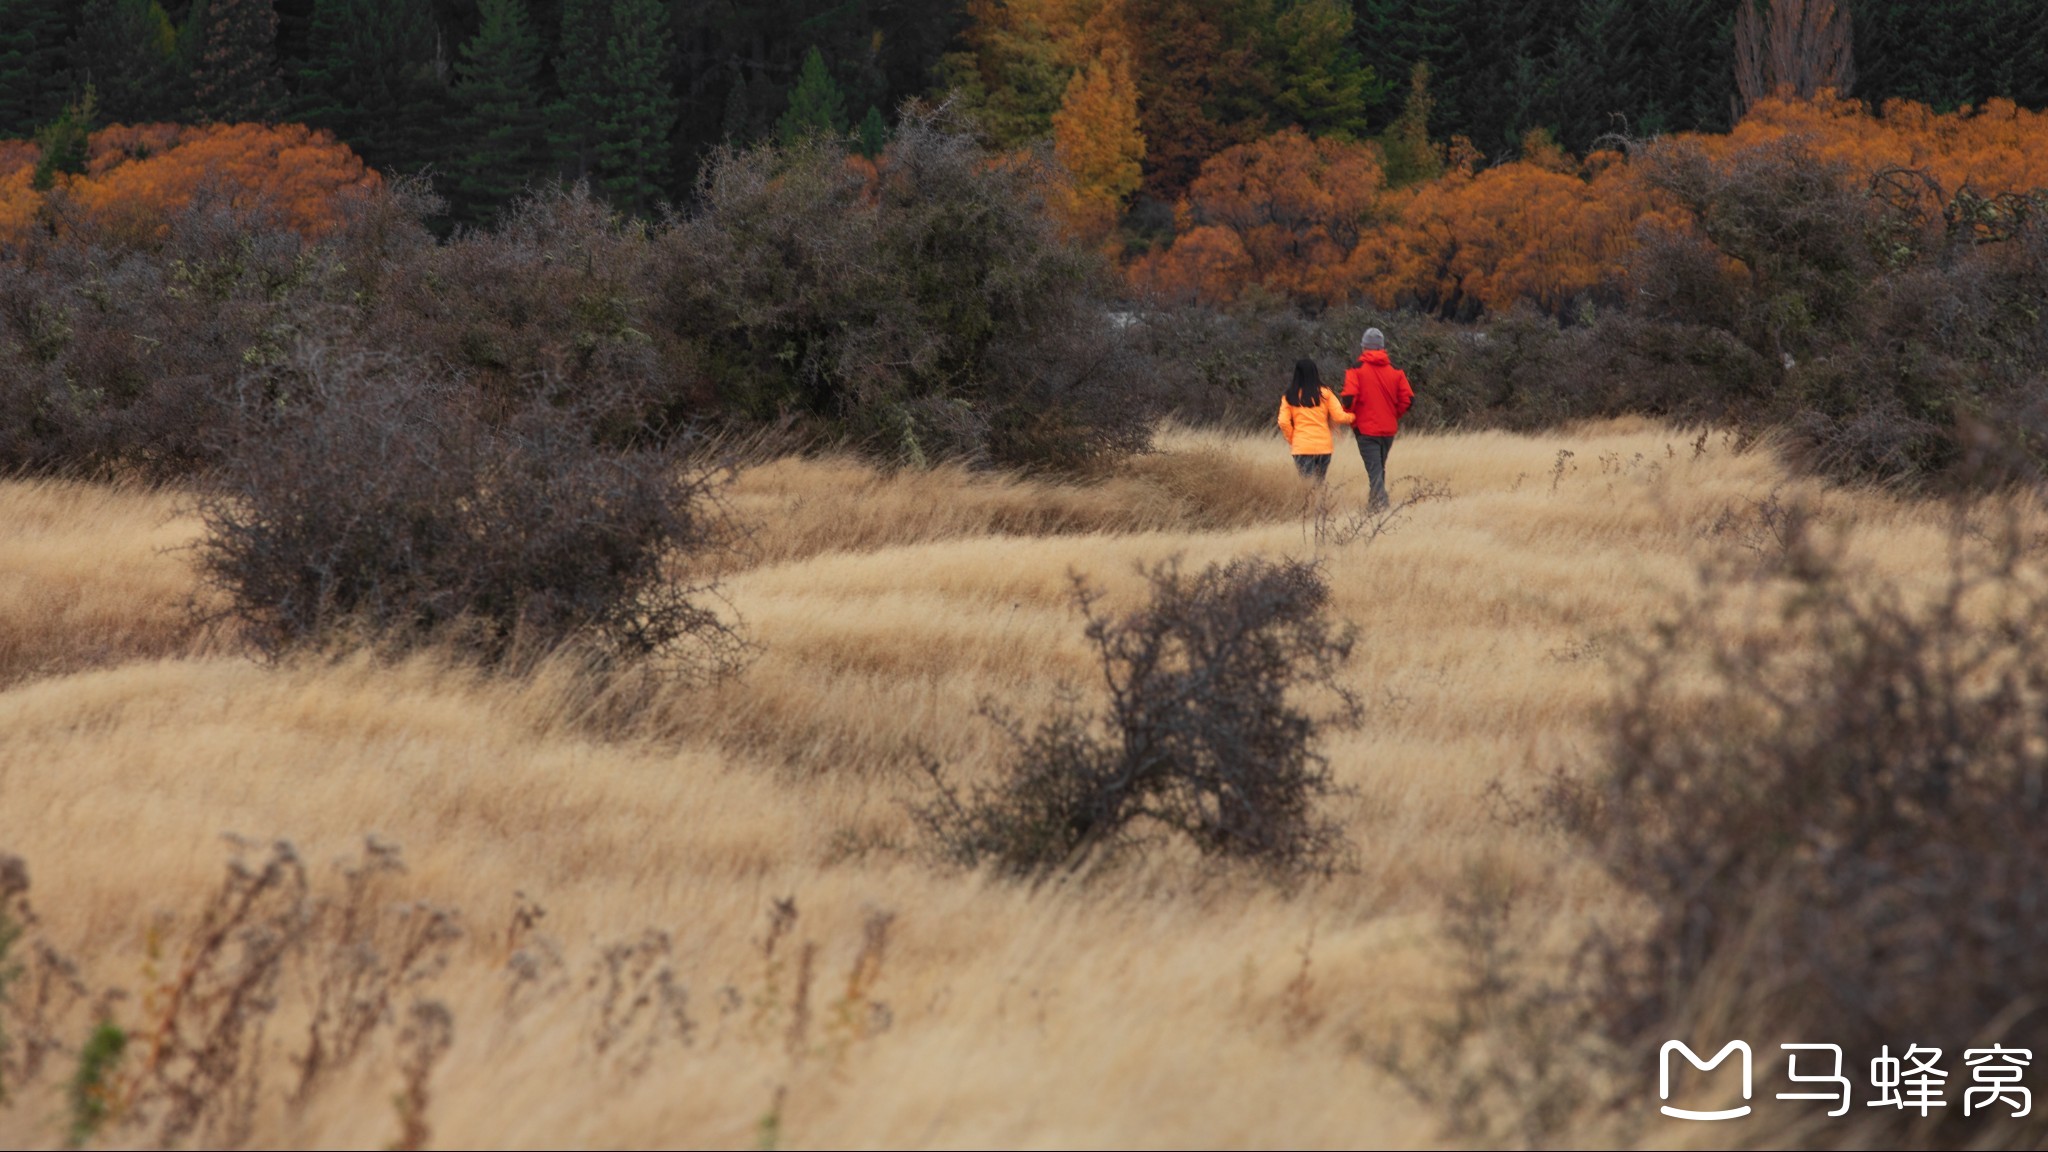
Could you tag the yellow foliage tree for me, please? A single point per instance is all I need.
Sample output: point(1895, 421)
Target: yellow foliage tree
point(1096, 138)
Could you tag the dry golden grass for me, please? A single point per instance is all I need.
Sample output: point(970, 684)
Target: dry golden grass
point(84, 579)
point(1160, 1005)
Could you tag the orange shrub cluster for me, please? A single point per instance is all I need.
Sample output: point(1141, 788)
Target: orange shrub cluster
point(137, 175)
point(1285, 213)
point(1311, 219)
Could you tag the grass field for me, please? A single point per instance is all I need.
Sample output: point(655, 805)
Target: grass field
point(1162, 1004)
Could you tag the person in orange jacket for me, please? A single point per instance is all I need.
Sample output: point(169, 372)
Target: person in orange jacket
point(1309, 415)
point(1377, 395)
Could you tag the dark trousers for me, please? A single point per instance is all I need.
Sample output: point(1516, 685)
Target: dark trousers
point(1374, 449)
point(1316, 468)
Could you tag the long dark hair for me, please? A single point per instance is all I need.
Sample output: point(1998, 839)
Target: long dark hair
point(1307, 389)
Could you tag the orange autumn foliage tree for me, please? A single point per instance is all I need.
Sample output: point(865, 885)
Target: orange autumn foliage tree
point(1284, 213)
point(2000, 147)
point(18, 198)
point(1525, 231)
point(1545, 230)
point(137, 175)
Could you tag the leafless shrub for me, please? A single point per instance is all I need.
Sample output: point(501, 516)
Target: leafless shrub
point(1830, 806)
point(195, 1065)
point(341, 954)
point(1328, 526)
point(768, 1003)
point(782, 1008)
point(47, 986)
point(13, 914)
point(378, 499)
point(1778, 533)
point(857, 1014)
point(1203, 737)
point(36, 992)
point(925, 307)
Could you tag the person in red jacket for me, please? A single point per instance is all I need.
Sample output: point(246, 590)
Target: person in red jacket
point(1377, 395)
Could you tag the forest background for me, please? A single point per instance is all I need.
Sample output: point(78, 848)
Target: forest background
point(635, 94)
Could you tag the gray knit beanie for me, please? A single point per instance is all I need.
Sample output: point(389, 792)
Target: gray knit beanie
point(1373, 340)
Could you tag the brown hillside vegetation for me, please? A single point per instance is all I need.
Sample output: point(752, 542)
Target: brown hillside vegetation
point(662, 999)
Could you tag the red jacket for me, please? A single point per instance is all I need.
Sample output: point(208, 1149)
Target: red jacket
point(1377, 394)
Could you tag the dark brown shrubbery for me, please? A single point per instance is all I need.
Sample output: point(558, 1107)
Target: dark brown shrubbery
point(1900, 324)
point(113, 359)
point(924, 305)
point(377, 496)
point(1825, 795)
point(1835, 822)
point(921, 306)
point(1894, 330)
point(1204, 736)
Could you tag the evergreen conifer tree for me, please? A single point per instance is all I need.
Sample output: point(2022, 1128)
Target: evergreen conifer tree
point(128, 51)
point(580, 77)
point(1410, 154)
point(736, 124)
point(233, 51)
point(636, 105)
point(1687, 78)
point(1599, 72)
point(62, 142)
point(1951, 52)
point(873, 135)
point(498, 93)
point(34, 71)
point(815, 105)
point(1323, 85)
point(372, 80)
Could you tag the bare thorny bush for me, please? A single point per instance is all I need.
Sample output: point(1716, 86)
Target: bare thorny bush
point(1823, 794)
point(1329, 525)
point(287, 977)
point(1204, 736)
point(375, 497)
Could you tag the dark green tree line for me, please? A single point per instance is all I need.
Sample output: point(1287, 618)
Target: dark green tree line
point(375, 79)
point(633, 94)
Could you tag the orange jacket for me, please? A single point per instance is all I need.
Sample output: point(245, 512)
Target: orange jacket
point(1310, 431)
point(1379, 394)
